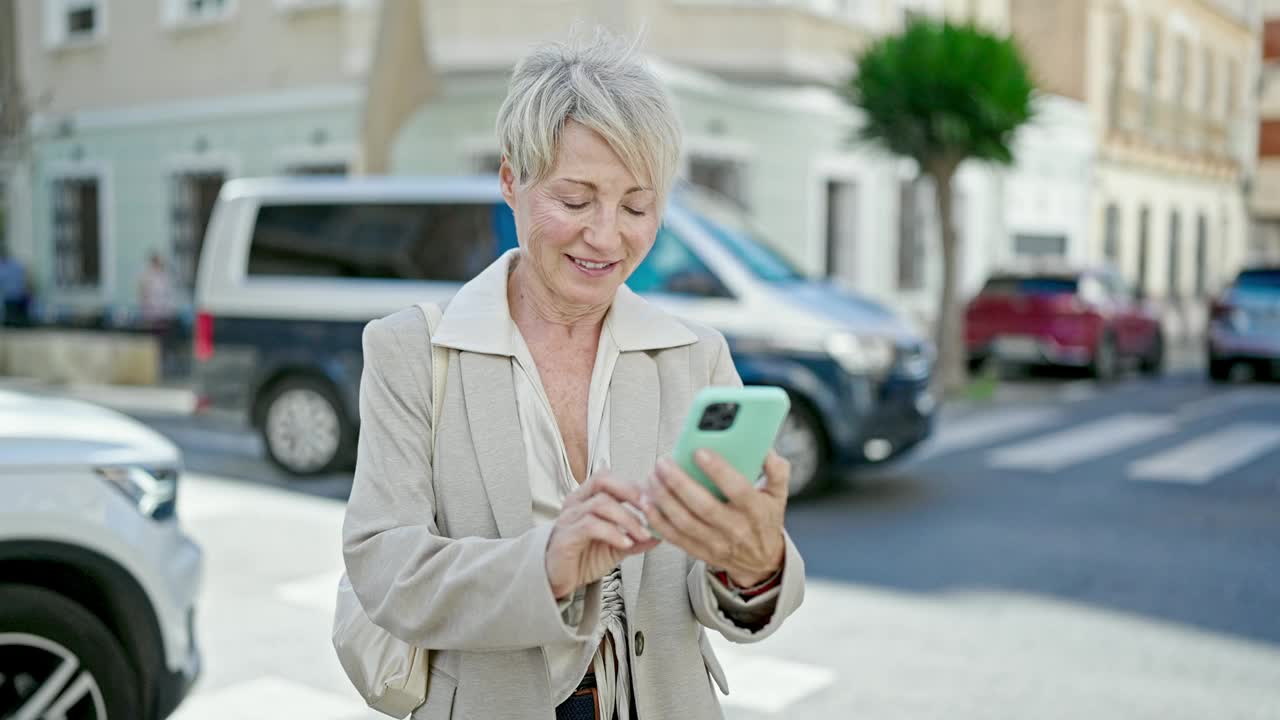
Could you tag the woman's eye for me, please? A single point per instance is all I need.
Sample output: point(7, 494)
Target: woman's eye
point(574, 206)
point(633, 211)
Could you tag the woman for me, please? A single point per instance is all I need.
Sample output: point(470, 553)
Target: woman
point(512, 551)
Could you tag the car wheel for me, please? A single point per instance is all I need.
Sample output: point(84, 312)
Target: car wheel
point(59, 661)
point(1220, 369)
point(1103, 366)
point(801, 442)
point(303, 426)
point(1153, 362)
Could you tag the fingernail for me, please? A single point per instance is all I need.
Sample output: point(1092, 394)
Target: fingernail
point(645, 502)
point(701, 455)
point(627, 542)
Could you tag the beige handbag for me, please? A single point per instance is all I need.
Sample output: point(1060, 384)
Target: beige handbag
point(390, 674)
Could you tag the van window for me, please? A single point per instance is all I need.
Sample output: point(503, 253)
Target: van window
point(672, 268)
point(424, 241)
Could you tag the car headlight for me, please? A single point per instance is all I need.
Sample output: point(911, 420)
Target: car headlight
point(1238, 320)
point(861, 354)
point(154, 492)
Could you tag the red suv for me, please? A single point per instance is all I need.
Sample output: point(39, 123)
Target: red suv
point(1086, 319)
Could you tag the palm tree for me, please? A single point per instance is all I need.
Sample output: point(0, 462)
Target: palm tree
point(941, 93)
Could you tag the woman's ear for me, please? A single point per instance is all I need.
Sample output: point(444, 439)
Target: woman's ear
point(507, 178)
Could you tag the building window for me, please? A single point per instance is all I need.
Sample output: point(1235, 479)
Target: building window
point(74, 22)
point(1111, 234)
point(1206, 81)
point(1182, 59)
point(77, 233)
point(1150, 73)
point(1229, 91)
point(317, 168)
point(912, 218)
point(198, 12)
point(724, 176)
point(1175, 255)
point(842, 228)
point(1040, 246)
point(488, 163)
point(1119, 45)
point(1202, 255)
point(194, 195)
point(1144, 231)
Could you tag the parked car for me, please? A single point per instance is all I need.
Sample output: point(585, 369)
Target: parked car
point(292, 269)
point(1244, 324)
point(97, 581)
point(1073, 318)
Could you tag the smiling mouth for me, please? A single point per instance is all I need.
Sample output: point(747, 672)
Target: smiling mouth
point(589, 265)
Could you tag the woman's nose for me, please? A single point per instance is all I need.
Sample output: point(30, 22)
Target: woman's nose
point(605, 233)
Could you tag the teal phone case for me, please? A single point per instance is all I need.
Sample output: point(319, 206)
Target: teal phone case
point(744, 440)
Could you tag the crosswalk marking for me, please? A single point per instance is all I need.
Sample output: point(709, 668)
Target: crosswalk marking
point(965, 433)
point(1052, 452)
point(269, 698)
point(760, 683)
point(1208, 456)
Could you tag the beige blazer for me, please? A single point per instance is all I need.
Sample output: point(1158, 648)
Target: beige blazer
point(447, 556)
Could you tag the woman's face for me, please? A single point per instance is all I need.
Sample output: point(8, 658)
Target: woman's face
point(586, 227)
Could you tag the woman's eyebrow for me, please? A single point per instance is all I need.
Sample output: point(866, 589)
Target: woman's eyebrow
point(593, 186)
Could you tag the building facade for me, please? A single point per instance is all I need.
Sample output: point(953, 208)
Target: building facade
point(141, 110)
point(1265, 196)
point(1167, 85)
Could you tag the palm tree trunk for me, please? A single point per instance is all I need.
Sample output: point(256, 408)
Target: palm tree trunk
point(951, 374)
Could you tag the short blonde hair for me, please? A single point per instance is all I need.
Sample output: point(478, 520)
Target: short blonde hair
point(603, 84)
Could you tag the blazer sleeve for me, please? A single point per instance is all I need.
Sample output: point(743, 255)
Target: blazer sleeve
point(739, 620)
point(428, 590)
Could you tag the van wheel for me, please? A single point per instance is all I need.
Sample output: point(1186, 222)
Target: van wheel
point(59, 661)
point(801, 442)
point(1220, 369)
point(303, 426)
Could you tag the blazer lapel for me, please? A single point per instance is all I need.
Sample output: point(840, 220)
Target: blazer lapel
point(495, 433)
point(633, 440)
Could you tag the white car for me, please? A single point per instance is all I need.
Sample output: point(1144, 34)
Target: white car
point(97, 581)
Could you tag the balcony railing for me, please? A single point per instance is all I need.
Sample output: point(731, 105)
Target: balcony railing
point(1162, 125)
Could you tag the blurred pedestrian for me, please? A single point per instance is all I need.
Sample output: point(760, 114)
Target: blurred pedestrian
point(15, 290)
point(508, 548)
point(155, 295)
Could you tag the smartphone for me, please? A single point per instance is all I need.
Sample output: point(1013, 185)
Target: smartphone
point(738, 423)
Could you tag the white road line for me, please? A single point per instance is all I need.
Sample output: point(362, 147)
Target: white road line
point(760, 683)
point(1201, 460)
point(964, 433)
point(270, 698)
point(1049, 453)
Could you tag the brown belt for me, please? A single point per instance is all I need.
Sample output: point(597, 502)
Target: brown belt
point(584, 703)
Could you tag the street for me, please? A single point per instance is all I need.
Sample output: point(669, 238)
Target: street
point(1071, 550)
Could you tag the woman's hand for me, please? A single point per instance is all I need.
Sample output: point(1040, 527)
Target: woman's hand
point(742, 536)
point(593, 533)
